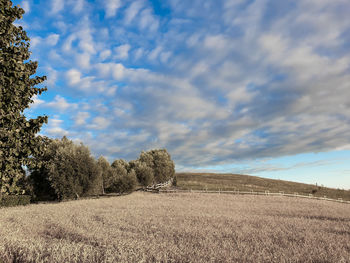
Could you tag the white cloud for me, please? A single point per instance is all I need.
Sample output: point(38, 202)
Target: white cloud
point(118, 71)
point(83, 60)
point(138, 53)
point(111, 7)
point(73, 76)
point(132, 11)
point(52, 76)
point(52, 39)
point(148, 20)
point(78, 6)
point(25, 5)
point(57, 6)
point(35, 41)
point(153, 55)
point(122, 52)
point(105, 54)
point(67, 45)
point(216, 42)
point(36, 102)
point(81, 117)
point(60, 103)
point(164, 56)
point(99, 123)
point(54, 127)
point(86, 42)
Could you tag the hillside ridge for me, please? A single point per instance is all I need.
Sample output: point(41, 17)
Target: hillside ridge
point(231, 182)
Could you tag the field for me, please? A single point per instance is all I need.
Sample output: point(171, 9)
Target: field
point(240, 182)
point(146, 227)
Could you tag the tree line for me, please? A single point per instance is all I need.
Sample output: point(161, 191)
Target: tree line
point(46, 168)
point(65, 170)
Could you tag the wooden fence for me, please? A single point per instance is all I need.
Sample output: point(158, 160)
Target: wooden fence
point(158, 186)
point(237, 192)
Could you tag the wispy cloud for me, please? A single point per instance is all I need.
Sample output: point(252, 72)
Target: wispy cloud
point(111, 7)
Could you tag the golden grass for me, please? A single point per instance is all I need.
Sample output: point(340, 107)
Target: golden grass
point(200, 181)
point(145, 227)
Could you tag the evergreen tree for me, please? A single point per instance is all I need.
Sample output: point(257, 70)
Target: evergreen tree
point(17, 88)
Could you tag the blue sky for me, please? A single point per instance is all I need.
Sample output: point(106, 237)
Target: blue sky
point(258, 87)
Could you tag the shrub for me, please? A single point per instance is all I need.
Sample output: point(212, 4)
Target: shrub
point(14, 200)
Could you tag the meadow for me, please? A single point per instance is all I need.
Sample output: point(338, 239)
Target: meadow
point(186, 227)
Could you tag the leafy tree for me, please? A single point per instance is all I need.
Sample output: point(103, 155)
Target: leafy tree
point(106, 172)
point(164, 167)
point(17, 88)
point(144, 173)
point(124, 179)
point(67, 169)
point(160, 162)
point(124, 183)
point(120, 164)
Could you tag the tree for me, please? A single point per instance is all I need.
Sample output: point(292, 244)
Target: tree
point(159, 162)
point(144, 173)
point(120, 164)
point(124, 178)
point(106, 172)
point(164, 168)
point(17, 134)
point(67, 169)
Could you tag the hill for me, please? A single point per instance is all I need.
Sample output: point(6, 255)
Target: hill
point(230, 182)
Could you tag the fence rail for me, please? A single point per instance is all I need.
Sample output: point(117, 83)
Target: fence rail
point(237, 192)
point(158, 186)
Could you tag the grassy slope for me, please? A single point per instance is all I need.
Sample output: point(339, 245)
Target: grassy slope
point(240, 182)
point(145, 227)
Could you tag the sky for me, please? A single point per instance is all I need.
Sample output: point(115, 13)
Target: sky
point(257, 87)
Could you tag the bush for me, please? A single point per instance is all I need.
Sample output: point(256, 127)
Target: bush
point(14, 200)
point(64, 171)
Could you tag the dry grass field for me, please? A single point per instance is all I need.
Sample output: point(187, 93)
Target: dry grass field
point(145, 227)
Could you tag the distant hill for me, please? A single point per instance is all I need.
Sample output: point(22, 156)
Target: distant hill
point(229, 182)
